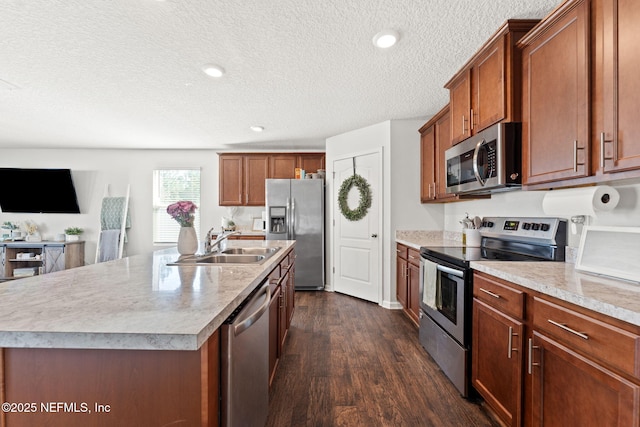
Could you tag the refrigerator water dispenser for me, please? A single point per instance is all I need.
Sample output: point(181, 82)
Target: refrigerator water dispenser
point(277, 215)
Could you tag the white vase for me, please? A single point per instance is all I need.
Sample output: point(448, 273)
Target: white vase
point(187, 241)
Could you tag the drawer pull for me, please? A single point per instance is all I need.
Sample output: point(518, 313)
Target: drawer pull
point(575, 156)
point(568, 329)
point(490, 293)
point(412, 257)
point(531, 348)
point(510, 344)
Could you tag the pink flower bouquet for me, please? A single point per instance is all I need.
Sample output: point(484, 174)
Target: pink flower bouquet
point(183, 212)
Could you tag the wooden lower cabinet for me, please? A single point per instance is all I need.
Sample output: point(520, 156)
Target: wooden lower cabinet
point(569, 389)
point(281, 308)
point(413, 307)
point(497, 361)
point(539, 361)
point(274, 315)
point(291, 293)
point(77, 387)
point(408, 281)
point(401, 281)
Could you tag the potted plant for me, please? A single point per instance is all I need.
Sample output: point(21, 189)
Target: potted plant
point(9, 229)
point(73, 233)
point(32, 231)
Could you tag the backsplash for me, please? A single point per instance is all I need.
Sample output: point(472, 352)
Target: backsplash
point(529, 203)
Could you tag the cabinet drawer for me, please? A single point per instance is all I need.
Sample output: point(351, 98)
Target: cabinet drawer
point(594, 338)
point(506, 299)
point(402, 251)
point(413, 256)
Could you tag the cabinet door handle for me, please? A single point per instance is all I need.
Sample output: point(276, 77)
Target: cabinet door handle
point(510, 342)
point(575, 156)
point(471, 119)
point(564, 327)
point(531, 348)
point(603, 140)
point(490, 293)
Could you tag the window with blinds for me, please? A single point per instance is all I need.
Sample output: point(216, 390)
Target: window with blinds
point(170, 186)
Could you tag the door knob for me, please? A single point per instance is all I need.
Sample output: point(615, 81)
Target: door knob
point(374, 235)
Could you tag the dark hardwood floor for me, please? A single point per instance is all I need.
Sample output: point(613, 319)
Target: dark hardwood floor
point(348, 362)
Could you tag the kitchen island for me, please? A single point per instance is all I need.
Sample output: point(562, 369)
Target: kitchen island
point(127, 342)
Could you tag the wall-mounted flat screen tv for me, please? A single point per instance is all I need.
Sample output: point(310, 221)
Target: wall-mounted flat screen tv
point(37, 191)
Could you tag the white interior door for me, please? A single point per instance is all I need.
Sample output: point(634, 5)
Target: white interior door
point(356, 244)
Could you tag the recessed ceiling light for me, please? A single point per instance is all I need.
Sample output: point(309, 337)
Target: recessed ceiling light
point(386, 38)
point(213, 70)
point(256, 128)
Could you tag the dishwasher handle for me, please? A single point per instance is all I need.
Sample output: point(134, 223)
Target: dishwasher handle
point(246, 324)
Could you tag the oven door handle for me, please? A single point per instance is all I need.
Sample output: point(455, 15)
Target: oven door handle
point(449, 270)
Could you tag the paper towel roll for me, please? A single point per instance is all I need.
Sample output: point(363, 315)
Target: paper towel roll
point(580, 201)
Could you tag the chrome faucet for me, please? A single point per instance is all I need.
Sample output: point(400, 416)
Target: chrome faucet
point(209, 247)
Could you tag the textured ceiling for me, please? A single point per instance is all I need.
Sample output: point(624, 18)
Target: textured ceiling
point(127, 73)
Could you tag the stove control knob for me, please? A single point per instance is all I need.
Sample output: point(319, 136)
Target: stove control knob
point(544, 227)
point(526, 226)
point(536, 227)
point(490, 224)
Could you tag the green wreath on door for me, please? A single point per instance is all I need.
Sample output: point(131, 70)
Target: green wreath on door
point(365, 198)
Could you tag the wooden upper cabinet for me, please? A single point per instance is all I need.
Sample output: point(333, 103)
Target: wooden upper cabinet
point(555, 137)
point(256, 170)
point(242, 175)
point(488, 88)
point(230, 182)
point(620, 134)
point(435, 139)
point(311, 162)
point(283, 166)
point(427, 162)
point(460, 106)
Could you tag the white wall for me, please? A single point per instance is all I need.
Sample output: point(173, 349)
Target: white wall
point(92, 169)
point(401, 207)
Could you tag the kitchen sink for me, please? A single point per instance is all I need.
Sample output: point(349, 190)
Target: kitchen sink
point(250, 251)
point(229, 256)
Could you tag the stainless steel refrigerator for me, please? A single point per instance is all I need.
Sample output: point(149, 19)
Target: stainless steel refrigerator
point(295, 211)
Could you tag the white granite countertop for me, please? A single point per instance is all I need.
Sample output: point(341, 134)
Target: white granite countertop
point(133, 303)
point(417, 238)
point(615, 298)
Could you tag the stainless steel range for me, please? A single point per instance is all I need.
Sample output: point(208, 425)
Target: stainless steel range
point(446, 284)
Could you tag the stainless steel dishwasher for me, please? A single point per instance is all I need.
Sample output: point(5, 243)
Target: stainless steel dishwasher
point(245, 363)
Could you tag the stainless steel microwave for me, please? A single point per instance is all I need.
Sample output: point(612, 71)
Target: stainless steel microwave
point(487, 162)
